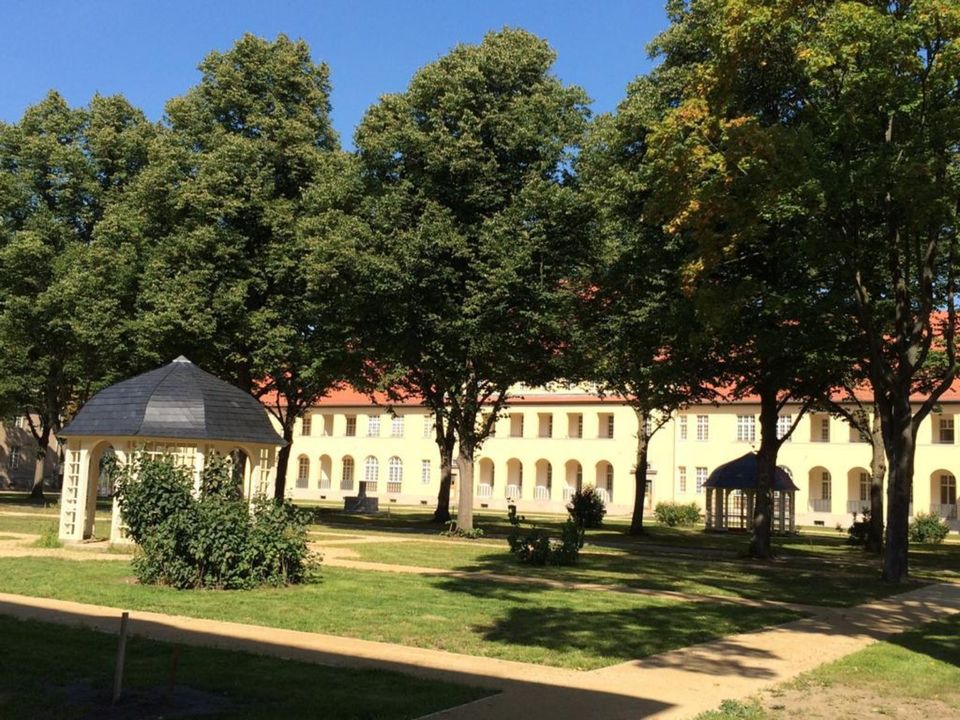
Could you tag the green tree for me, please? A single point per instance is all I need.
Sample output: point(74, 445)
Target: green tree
point(638, 334)
point(863, 95)
point(733, 178)
point(884, 109)
point(246, 215)
point(475, 208)
point(62, 304)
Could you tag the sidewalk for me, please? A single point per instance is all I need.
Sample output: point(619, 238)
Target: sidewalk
point(676, 684)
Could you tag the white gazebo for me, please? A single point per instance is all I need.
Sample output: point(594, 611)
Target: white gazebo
point(731, 495)
point(177, 410)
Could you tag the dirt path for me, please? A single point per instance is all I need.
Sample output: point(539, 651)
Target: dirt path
point(676, 684)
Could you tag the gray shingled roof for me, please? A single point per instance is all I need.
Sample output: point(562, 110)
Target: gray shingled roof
point(741, 474)
point(177, 401)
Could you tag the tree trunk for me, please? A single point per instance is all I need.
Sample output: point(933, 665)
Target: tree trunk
point(43, 445)
point(283, 462)
point(640, 477)
point(442, 513)
point(901, 448)
point(878, 469)
point(766, 470)
point(465, 505)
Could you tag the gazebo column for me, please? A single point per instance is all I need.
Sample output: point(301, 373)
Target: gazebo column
point(709, 508)
point(783, 511)
point(793, 512)
point(118, 531)
point(73, 497)
point(721, 522)
point(751, 504)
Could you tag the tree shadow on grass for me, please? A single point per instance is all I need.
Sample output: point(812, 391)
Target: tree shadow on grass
point(783, 581)
point(626, 634)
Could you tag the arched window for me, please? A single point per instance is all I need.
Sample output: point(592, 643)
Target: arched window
point(371, 472)
point(303, 472)
point(346, 474)
point(394, 474)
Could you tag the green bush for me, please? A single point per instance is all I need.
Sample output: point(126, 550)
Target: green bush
point(674, 514)
point(587, 508)
point(859, 532)
point(927, 528)
point(536, 548)
point(209, 541)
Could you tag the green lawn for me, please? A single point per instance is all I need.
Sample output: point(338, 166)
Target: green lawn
point(811, 584)
point(58, 672)
point(37, 525)
point(517, 622)
point(919, 669)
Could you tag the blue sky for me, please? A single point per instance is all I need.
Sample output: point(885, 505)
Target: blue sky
point(148, 50)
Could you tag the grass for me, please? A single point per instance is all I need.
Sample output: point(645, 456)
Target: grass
point(821, 584)
point(43, 666)
point(49, 538)
point(37, 525)
point(516, 622)
point(918, 667)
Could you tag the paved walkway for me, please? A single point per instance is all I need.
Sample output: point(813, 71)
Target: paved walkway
point(677, 684)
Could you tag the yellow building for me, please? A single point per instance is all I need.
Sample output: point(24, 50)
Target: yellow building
point(546, 444)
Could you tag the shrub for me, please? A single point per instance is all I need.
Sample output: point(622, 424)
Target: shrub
point(209, 541)
point(859, 532)
point(587, 508)
point(537, 548)
point(673, 514)
point(453, 530)
point(927, 528)
point(49, 538)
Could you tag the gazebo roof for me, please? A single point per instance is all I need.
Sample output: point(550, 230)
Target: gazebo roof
point(176, 401)
point(741, 474)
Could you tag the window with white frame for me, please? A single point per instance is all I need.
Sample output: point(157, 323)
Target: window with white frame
point(575, 425)
point(682, 478)
point(373, 426)
point(701, 479)
point(606, 425)
point(394, 474)
point(516, 425)
point(303, 472)
point(647, 426)
point(945, 435)
point(427, 426)
point(306, 425)
point(545, 422)
point(746, 428)
point(396, 426)
point(13, 461)
point(864, 487)
point(948, 489)
point(371, 472)
point(351, 426)
point(683, 427)
point(425, 474)
point(703, 428)
point(825, 429)
point(826, 486)
point(346, 474)
point(784, 423)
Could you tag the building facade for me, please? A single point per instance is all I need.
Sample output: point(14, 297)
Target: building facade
point(18, 457)
point(547, 444)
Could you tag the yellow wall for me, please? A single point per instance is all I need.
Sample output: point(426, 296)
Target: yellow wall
point(806, 457)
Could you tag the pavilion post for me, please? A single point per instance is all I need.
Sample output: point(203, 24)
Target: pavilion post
point(709, 508)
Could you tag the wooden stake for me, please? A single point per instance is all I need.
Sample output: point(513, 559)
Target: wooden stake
point(172, 677)
point(121, 656)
